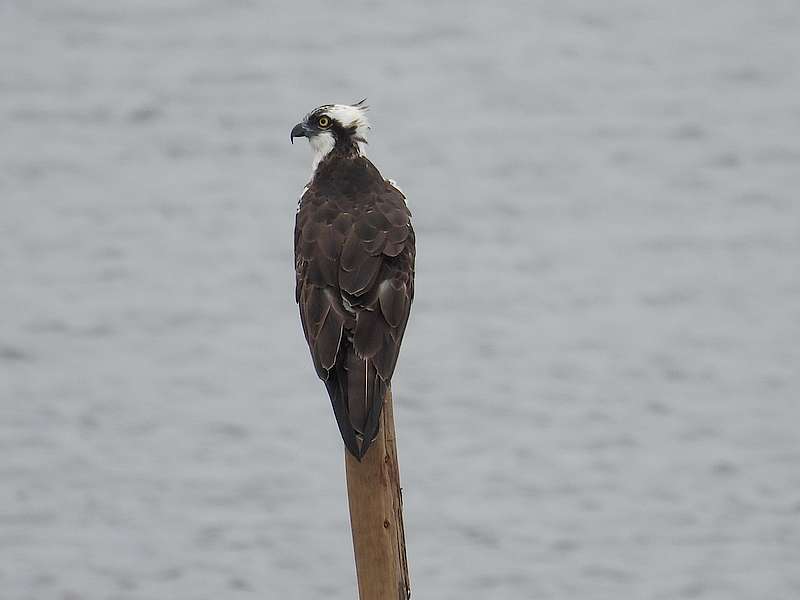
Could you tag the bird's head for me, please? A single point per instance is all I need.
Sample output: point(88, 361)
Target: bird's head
point(340, 126)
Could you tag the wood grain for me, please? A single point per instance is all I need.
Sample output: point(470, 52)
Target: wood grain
point(376, 516)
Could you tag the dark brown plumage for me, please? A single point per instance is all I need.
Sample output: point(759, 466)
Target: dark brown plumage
point(354, 261)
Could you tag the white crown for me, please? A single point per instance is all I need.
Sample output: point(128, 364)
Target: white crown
point(351, 116)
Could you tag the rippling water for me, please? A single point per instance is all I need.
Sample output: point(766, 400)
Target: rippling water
point(598, 392)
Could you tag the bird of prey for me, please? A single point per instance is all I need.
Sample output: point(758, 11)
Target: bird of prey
point(354, 261)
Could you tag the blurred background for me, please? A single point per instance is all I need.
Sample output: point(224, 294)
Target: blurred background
point(598, 392)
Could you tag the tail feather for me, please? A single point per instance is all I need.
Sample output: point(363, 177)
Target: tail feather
point(336, 385)
point(377, 390)
point(357, 392)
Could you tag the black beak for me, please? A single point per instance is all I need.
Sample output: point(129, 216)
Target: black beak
point(298, 130)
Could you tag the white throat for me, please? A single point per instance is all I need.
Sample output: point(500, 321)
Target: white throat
point(322, 144)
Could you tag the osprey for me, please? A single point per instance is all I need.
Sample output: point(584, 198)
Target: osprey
point(354, 261)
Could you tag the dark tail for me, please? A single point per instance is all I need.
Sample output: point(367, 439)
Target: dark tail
point(357, 394)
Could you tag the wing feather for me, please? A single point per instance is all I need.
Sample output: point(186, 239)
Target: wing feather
point(393, 299)
point(362, 279)
point(327, 342)
point(369, 334)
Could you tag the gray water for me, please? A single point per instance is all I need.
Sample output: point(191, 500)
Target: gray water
point(598, 392)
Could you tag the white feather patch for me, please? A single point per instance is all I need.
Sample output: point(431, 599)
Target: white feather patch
point(351, 116)
point(393, 183)
point(322, 144)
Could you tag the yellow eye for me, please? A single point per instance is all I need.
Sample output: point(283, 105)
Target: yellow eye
point(324, 122)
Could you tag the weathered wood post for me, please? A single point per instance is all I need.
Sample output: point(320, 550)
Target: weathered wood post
point(376, 516)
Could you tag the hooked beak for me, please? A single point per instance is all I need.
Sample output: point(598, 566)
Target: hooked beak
point(299, 130)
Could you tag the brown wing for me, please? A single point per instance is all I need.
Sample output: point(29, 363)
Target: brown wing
point(354, 260)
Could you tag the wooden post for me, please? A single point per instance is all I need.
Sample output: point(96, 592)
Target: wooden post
point(376, 516)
